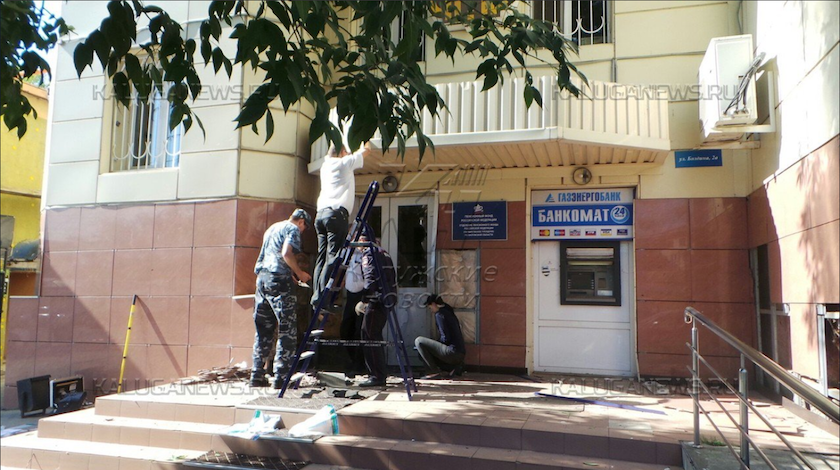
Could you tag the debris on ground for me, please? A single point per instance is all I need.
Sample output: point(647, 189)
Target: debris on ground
point(229, 373)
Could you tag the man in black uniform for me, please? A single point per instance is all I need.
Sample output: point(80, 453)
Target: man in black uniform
point(278, 273)
point(450, 349)
point(380, 295)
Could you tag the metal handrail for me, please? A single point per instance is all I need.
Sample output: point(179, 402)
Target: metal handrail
point(814, 398)
point(744, 401)
point(817, 400)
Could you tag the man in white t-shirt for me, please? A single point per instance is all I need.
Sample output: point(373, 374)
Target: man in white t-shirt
point(332, 222)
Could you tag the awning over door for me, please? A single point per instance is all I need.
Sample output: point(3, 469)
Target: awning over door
point(614, 124)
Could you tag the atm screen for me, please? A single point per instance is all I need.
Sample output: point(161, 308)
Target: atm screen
point(581, 281)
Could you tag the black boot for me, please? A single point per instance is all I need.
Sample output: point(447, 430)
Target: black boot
point(259, 381)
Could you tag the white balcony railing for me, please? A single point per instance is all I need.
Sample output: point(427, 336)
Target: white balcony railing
point(613, 115)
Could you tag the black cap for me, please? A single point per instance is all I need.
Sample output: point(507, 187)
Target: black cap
point(302, 214)
point(432, 299)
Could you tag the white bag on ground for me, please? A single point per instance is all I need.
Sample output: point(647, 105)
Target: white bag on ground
point(260, 424)
point(322, 423)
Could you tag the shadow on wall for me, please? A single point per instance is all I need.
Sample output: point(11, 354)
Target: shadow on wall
point(817, 178)
point(794, 221)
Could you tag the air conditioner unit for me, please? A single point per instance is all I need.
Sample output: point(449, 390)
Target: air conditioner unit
point(727, 88)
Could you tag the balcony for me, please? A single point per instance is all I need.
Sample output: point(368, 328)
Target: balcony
point(614, 124)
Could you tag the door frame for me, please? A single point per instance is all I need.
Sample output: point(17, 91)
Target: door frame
point(389, 241)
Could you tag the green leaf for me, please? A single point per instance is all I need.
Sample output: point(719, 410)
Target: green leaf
point(255, 106)
point(82, 57)
point(132, 67)
point(122, 89)
point(206, 52)
point(21, 127)
point(100, 45)
point(193, 83)
point(318, 126)
point(200, 124)
point(228, 66)
point(218, 58)
point(215, 28)
point(189, 47)
point(269, 125)
point(176, 116)
point(490, 81)
point(113, 64)
point(537, 96)
point(280, 10)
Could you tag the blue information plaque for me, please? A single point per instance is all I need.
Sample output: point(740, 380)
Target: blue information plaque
point(479, 220)
point(695, 158)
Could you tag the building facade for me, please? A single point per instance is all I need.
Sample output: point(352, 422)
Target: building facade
point(569, 238)
point(22, 161)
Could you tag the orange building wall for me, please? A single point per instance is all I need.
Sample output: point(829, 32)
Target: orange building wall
point(184, 261)
point(691, 252)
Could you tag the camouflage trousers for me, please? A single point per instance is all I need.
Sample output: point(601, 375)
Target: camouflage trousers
point(274, 306)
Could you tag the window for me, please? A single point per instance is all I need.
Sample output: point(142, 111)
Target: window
point(412, 259)
point(583, 21)
point(140, 135)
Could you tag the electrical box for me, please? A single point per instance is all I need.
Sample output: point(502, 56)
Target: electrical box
point(34, 394)
point(727, 98)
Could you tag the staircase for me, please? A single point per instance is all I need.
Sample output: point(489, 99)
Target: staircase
point(384, 432)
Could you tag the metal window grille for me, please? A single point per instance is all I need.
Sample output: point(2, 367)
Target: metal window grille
point(583, 21)
point(140, 135)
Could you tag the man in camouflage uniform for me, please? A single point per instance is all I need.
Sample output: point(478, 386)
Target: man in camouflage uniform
point(277, 273)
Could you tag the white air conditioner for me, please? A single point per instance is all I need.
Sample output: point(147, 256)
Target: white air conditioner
point(727, 88)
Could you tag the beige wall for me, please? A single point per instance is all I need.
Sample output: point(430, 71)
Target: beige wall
point(653, 43)
point(794, 208)
point(221, 162)
point(800, 40)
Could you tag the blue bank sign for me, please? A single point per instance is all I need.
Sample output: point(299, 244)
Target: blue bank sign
point(696, 158)
point(605, 214)
point(479, 220)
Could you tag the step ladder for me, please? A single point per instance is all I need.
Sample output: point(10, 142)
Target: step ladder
point(308, 345)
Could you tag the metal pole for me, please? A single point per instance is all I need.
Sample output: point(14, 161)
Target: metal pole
point(822, 353)
point(695, 376)
point(745, 427)
point(127, 339)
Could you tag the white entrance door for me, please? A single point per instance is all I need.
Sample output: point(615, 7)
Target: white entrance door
point(581, 339)
point(406, 228)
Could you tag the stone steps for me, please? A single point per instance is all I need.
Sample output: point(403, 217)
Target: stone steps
point(86, 425)
point(396, 454)
point(31, 451)
point(545, 433)
point(147, 432)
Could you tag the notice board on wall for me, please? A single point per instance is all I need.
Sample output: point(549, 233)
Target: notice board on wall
point(485, 220)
